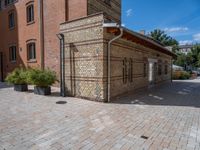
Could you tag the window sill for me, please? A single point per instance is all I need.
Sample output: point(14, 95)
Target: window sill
point(13, 61)
point(30, 23)
point(32, 61)
point(11, 28)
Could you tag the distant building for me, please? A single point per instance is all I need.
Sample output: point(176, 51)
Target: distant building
point(177, 68)
point(185, 48)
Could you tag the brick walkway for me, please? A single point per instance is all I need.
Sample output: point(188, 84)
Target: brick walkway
point(164, 118)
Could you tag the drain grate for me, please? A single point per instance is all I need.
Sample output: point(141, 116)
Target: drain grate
point(144, 137)
point(61, 102)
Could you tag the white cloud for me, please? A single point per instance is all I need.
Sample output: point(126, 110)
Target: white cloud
point(176, 29)
point(129, 12)
point(196, 37)
point(185, 42)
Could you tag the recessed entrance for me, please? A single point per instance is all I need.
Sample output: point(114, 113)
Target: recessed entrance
point(152, 71)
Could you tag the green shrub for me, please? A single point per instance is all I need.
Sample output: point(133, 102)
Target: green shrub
point(42, 78)
point(181, 75)
point(18, 76)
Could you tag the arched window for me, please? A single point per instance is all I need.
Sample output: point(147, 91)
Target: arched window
point(31, 51)
point(13, 53)
point(11, 20)
point(30, 13)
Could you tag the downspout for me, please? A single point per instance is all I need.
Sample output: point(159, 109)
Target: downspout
point(41, 28)
point(109, 64)
point(62, 64)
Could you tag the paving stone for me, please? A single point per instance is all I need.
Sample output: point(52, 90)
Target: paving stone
point(166, 117)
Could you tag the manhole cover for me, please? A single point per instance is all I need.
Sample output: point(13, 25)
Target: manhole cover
point(144, 137)
point(61, 102)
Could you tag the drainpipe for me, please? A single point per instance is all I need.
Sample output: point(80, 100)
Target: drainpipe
point(111, 25)
point(62, 64)
point(41, 28)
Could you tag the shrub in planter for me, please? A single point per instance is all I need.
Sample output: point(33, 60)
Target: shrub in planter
point(42, 79)
point(181, 75)
point(18, 78)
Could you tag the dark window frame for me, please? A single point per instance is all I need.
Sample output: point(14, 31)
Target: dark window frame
point(145, 69)
point(31, 51)
point(13, 53)
point(160, 69)
point(30, 13)
point(108, 2)
point(166, 69)
point(1, 5)
point(9, 2)
point(130, 75)
point(11, 20)
point(125, 70)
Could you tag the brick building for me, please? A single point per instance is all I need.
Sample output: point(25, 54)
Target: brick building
point(28, 30)
point(28, 37)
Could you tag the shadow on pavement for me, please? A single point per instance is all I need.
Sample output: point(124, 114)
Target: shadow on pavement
point(4, 85)
point(178, 93)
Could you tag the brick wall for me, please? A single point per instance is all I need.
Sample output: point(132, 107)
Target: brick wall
point(54, 14)
point(18, 36)
point(76, 9)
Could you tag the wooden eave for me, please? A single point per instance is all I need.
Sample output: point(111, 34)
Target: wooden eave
point(142, 40)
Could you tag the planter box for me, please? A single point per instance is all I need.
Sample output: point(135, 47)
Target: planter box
point(42, 90)
point(21, 87)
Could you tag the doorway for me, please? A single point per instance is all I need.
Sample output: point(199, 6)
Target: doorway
point(152, 71)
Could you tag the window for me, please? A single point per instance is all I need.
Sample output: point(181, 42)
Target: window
point(107, 2)
point(12, 53)
point(11, 20)
point(166, 69)
point(125, 70)
point(30, 13)
point(145, 69)
point(130, 70)
point(0, 5)
point(159, 69)
point(31, 51)
point(8, 2)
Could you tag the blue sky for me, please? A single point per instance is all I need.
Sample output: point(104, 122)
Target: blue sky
point(179, 18)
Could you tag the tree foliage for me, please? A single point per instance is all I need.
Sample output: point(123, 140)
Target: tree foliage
point(18, 76)
point(163, 38)
point(190, 59)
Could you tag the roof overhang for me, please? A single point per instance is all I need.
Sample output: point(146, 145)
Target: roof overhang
point(142, 40)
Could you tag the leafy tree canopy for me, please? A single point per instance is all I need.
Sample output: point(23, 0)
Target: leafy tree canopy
point(190, 59)
point(163, 38)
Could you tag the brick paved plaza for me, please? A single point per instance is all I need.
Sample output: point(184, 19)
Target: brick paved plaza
point(163, 118)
